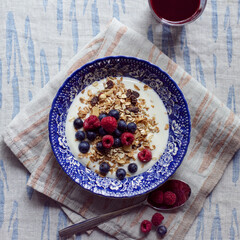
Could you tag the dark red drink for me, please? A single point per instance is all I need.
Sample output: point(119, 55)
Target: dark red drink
point(176, 10)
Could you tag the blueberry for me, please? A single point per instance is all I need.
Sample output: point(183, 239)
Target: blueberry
point(104, 168)
point(84, 147)
point(122, 126)
point(78, 123)
point(132, 127)
point(121, 173)
point(117, 133)
point(102, 115)
point(132, 167)
point(117, 142)
point(161, 230)
point(102, 132)
point(80, 135)
point(91, 135)
point(114, 113)
point(100, 147)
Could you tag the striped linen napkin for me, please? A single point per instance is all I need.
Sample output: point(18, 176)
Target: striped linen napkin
point(215, 138)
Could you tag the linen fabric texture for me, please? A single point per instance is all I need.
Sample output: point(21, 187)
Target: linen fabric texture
point(215, 137)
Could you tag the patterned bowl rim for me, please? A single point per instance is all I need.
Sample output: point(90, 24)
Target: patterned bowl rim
point(134, 59)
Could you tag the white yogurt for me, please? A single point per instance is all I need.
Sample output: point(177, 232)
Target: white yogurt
point(158, 111)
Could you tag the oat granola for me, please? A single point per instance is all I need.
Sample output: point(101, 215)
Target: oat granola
point(132, 108)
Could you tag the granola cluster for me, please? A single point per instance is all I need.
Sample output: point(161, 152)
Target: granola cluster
point(132, 108)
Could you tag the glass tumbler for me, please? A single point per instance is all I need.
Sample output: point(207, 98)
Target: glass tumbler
point(177, 12)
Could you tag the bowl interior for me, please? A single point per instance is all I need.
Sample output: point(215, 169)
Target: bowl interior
point(179, 126)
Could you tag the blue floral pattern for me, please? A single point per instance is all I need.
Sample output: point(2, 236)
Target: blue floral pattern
point(179, 126)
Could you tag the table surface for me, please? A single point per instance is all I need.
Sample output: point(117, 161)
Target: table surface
point(38, 39)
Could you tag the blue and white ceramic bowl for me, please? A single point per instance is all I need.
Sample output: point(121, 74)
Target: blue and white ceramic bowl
point(179, 126)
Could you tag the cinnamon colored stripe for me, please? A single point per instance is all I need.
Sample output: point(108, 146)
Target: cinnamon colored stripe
point(32, 144)
point(151, 53)
point(171, 67)
point(116, 40)
point(39, 112)
point(184, 80)
point(169, 220)
point(70, 187)
point(49, 177)
point(139, 215)
point(96, 41)
point(212, 140)
point(86, 206)
point(30, 160)
point(200, 135)
point(58, 177)
point(31, 128)
point(138, 52)
point(86, 58)
point(217, 148)
point(159, 54)
point(199, 110)
point(100, 49)
point(205, 109)
point(41, 168)
point(117, 231)
point(42, 130)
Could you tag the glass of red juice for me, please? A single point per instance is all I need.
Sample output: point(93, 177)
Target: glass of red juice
point(177, 12)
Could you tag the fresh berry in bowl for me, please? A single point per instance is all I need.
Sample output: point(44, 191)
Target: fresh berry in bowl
point(122, 125)
point(114, 113)
point(120, 173)
point(132, 167)
point(107, 141)
point(132, 127)
point(102, 115)
point(109, 124)
point(80, 135)
point(104, 168)
point(117, 133)
point(84, 147)
point(127, 138)
point(91, 135)
point(78, 123)
point(102, 131)
point(91, 123)
point(117, 142)
point(100, 147)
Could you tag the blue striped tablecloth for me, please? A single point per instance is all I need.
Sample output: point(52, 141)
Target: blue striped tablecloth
point(38, 39)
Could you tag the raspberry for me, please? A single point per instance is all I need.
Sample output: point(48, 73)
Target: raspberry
point(109, 124)
point(178, 188)
point(145, 155)
point(127, 138)
point(181, 190)
point(169, 198)
point(91, 123)
point(157, 219)
point(157, 197)
point(146, 226)
point(107, 141)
